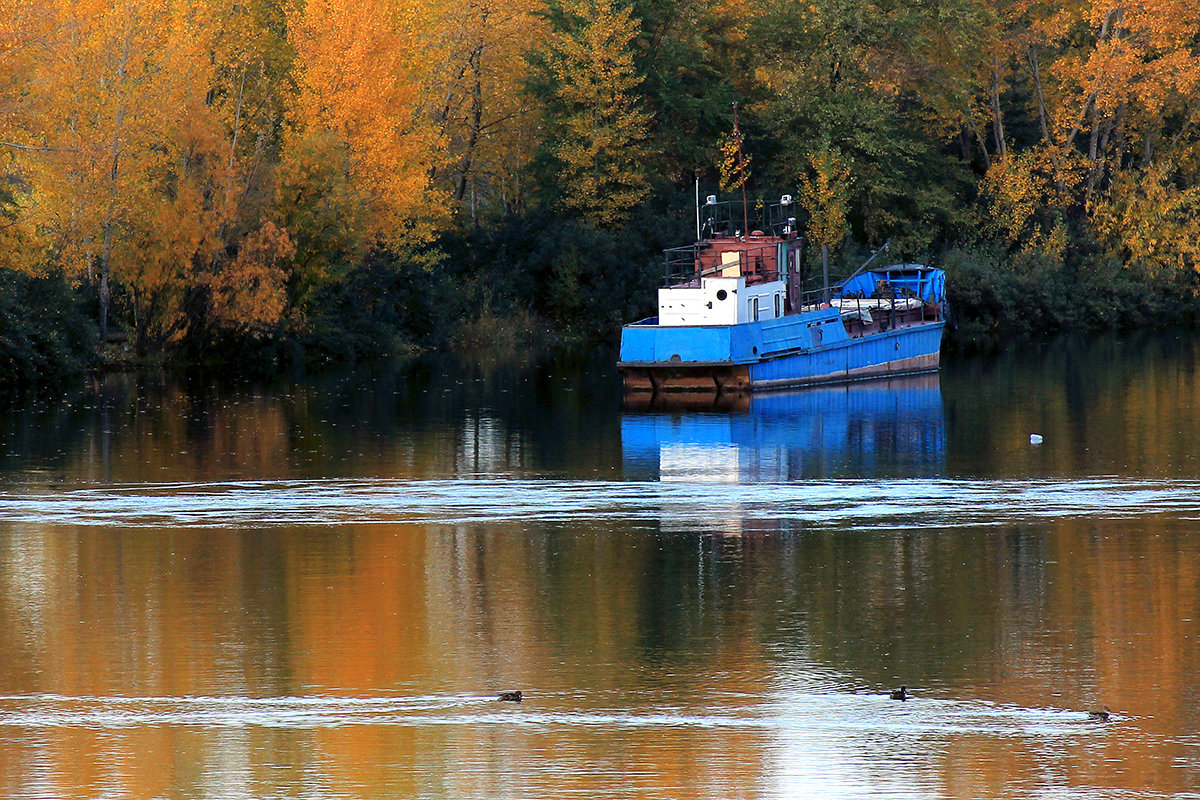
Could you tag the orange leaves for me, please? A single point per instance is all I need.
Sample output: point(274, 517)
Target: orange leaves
point(249, 294)
point(359, 79)
point(137, 175)
point(1110, 84)
point(1160, 25)
point(1133, 56)
point(243, 152)
point(113, 83)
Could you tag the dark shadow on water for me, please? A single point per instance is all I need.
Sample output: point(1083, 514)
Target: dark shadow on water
point(1104, 405)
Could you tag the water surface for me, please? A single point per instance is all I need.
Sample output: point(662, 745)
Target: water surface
point(316, 588)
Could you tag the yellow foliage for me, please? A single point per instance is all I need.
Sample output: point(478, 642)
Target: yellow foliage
point(1024, 201)
point(477, 71)
point(825, 195)
point(734, 165)
point(113, 83)
point(602, 147)
point(1145, 219)
point(359, 70)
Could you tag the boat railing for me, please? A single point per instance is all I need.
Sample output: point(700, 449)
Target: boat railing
point(728, 218)
point(685, 266)
point(886, 307)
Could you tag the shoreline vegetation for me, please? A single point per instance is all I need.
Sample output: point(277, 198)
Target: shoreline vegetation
point(269, 184)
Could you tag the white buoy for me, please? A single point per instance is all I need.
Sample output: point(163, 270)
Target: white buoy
point(1035, 438)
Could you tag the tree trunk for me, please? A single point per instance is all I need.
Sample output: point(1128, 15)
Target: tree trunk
point(997, 116)
point(110, 221)
point(468, 158)
point(104, 290)
point(1036, 72)
point(825, 272)
point(1044, 122)
point(1099, 163)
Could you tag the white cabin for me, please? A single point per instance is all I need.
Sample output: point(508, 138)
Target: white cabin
point(721, 301)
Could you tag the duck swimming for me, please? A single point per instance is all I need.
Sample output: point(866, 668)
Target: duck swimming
point(899, 694)
point(1100, 716)
point(514, 697)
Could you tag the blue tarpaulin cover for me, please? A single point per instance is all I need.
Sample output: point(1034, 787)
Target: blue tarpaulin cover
point(927, 283)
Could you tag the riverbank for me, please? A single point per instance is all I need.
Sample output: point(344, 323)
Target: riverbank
point(996, 299)
point(48, 334)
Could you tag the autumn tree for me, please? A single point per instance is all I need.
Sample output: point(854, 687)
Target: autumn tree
point(138, 152)
point(357, 152)
point(484, 121)
point(595, 128)
point(23, 25)
point(824, 194)
point(240, 277)
point(1100, 88)
point(114, 84)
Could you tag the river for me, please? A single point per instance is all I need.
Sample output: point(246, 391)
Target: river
point(317, 588)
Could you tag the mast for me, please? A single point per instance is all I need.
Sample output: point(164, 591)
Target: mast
point(737, 135)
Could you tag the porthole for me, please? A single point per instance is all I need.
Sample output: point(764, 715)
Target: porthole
point(722, 294)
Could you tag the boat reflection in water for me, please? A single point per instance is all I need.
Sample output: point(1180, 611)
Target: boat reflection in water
point(889, 428)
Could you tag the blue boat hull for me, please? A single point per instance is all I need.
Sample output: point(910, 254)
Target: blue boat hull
point(898, 352)
point(798, 350)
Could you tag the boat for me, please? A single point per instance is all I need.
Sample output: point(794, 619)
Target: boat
point(733, 316)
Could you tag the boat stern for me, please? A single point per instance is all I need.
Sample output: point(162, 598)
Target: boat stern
point(658, 358)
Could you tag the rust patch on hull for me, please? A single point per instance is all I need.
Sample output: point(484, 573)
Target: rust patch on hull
point(701, 379)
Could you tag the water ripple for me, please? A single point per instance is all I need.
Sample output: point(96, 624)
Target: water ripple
point(853, 503)
point(849, 714)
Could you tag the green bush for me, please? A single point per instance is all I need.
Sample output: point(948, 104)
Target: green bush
point(582, 281)
point(45, 337)
point(996, 296)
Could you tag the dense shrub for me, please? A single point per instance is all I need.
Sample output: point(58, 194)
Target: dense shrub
point(45, 336)
point(582, 280)
point(995, 295)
